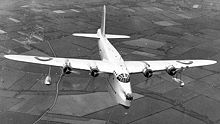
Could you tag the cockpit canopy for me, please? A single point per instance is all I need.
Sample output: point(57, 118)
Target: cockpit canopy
point(125, 78)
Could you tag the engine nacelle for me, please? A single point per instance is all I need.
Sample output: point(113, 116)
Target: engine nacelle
point(94, 72)
point(67, 70)
point(171, 70)
point(147, 72)
point(47, 80)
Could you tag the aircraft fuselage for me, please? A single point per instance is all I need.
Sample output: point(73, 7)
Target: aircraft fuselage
point(119, 84)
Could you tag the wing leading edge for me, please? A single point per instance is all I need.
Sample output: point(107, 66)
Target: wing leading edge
point(161, 65)
point(82, 64)
point(132, 66)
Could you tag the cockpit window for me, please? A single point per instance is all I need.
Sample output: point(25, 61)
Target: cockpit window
point(125, 78)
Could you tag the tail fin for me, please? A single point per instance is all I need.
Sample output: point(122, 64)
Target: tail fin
point(101, 31)
point(103, 21)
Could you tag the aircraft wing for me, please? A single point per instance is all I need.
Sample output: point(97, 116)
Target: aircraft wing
point(82, 64)
point(161, 65)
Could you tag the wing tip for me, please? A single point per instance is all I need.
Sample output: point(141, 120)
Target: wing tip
point(11, 57)
point(207, 62)
point(4, 56)
point(212, 62)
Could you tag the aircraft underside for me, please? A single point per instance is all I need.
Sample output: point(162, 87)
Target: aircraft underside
point(116, 91)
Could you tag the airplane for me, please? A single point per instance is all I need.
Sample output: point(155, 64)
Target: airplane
point(118, 71)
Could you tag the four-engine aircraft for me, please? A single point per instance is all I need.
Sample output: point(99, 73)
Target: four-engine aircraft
point(111, 63)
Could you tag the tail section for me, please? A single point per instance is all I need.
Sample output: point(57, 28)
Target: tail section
point(101, 32)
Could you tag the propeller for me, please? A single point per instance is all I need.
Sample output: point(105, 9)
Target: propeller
point(67, 68)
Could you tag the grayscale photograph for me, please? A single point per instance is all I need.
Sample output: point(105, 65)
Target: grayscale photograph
point(109, 62)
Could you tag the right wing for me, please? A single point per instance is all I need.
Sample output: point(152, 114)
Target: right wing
point(82, 64)
point(161, 65)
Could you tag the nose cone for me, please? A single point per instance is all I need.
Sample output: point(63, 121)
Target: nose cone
point(129, 97)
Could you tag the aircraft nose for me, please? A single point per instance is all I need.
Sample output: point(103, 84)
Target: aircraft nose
point(129, 96)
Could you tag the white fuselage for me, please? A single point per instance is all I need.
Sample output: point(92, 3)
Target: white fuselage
point(120, 90)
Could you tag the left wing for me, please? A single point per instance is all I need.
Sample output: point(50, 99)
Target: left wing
point(161, 65)
point(60, 62)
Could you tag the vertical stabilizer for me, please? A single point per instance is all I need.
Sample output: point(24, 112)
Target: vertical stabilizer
point(103, 21)
point(101, 32)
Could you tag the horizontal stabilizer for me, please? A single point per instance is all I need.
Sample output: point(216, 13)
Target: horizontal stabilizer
point(86, 35)
point(109, 36)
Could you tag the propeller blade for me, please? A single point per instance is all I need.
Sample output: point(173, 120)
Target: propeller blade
point(90, 83)
point(75, 72)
